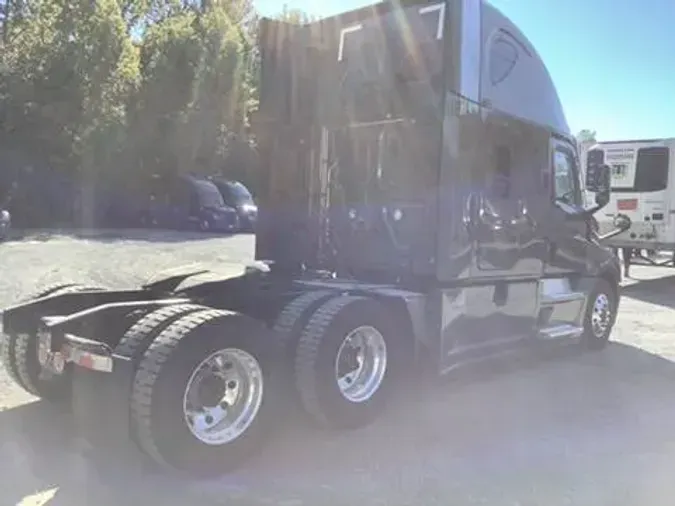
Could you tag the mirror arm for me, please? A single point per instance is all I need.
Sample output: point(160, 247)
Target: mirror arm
point(592, 210)
point(611, 234)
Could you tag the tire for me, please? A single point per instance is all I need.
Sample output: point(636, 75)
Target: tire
point(317, 354)
point(7, 349)
point(21, 358)
point(288, 327)
point(596, 337)
point(294, 317)
point(158, 413)
point(7, 357)
point(138, 337)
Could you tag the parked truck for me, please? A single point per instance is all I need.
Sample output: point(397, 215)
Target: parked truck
point(421, 205)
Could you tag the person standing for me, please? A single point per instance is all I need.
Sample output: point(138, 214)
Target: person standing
point(627, 254)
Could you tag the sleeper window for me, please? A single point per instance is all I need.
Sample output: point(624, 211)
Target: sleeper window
point(503, 58)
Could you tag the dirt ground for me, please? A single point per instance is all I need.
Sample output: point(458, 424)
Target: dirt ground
point(593, 430)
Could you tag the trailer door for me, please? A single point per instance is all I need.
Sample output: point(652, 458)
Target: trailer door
point(640, 178)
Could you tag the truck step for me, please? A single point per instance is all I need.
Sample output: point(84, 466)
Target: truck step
point(550, 299)
point(558, 291)
point(560, 331)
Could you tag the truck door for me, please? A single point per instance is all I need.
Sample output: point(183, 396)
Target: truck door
point(507, 248)
point(506, 243)
point(566, 237)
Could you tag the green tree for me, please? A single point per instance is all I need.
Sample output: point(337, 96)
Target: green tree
point(68, 69)
point(193, 94)
point(586, 136)
point(116, 90)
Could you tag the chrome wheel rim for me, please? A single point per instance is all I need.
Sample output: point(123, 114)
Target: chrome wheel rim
point(601, 316)
point(361, 364)
point(223, 396)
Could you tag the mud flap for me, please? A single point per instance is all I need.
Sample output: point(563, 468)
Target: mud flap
point(100, 405)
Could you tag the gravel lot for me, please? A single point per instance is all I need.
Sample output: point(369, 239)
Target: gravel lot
point(586, 430)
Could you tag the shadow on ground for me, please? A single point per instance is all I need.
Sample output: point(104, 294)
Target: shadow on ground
point(112, 236)
point(485, 427)
point(660, 291)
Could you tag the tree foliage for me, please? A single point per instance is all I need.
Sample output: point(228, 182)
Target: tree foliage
point(586, 136)
point(118, 90)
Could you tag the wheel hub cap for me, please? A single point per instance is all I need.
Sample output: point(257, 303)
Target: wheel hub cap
point(223, 396)
point(361, 364)
point(601, 315)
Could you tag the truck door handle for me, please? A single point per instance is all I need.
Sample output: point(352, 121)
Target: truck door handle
point(469, 213)
point(523, 219)
point(493, 221)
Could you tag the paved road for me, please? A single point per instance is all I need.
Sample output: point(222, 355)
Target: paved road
point(585, 430)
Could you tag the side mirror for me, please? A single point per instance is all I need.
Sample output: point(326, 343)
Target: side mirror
point(622, 222)
point(598, 181)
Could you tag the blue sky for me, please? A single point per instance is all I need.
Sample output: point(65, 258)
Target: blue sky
point(613, 62)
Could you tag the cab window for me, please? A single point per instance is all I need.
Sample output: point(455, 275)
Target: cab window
point(565, 180)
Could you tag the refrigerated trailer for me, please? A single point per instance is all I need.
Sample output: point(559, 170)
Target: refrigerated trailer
point(421, 205)
point(643, 182)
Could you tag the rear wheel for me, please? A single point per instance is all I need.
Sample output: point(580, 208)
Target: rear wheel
point(8, 344)
point(204, 392)
point(600, 316)
point(21, 357)
point(294, 317)
point(138, 337)
point(345, 361)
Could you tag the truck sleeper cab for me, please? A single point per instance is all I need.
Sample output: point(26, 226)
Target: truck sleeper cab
point(422, 202)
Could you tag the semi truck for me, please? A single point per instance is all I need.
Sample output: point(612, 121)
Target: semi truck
point(642, 173)
point(422, 207)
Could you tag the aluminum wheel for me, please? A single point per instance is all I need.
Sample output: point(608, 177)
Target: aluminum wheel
point(601, 316)
point(361, 363)
point(223, 396)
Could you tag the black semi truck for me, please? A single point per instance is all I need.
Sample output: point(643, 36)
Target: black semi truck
point(422, 203)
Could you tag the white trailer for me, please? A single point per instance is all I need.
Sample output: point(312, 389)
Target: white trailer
point(643, 188)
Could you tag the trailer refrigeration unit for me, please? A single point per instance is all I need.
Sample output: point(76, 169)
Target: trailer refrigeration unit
point(642, 176)
point(421, 203)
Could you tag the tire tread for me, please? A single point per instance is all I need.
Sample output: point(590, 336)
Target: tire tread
point(149, 326)
point(307, 354)
point(148, 372)
point(286, 324)
point(8, 351)
point(24, 343)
